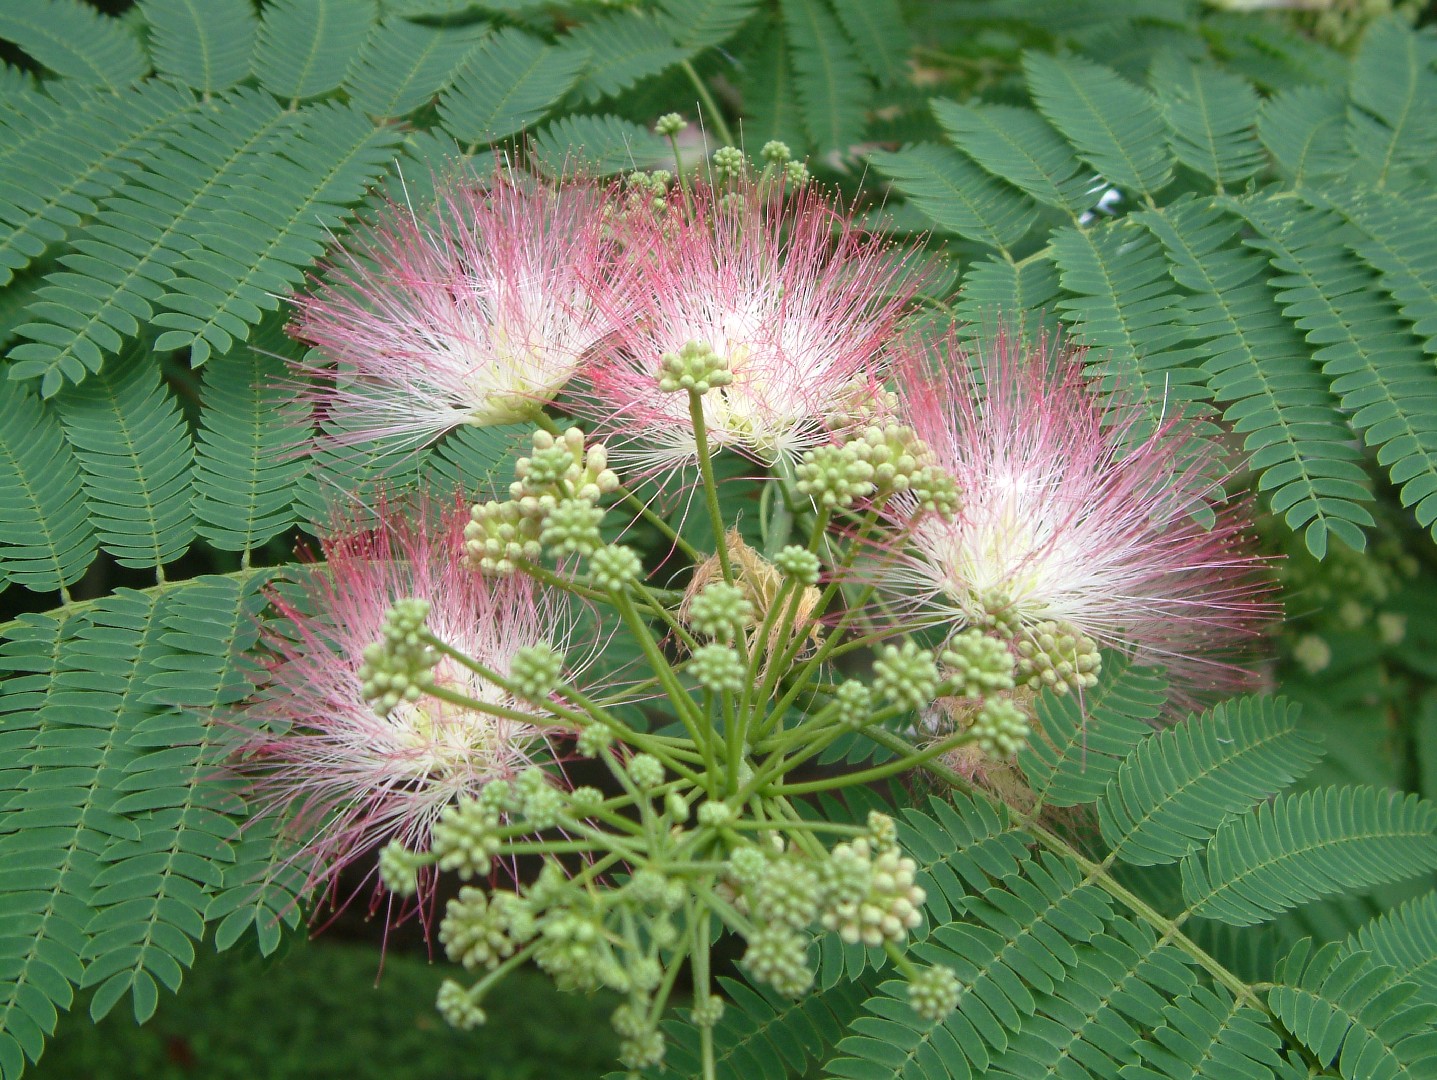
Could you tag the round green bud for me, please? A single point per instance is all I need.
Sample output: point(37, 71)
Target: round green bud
point(585, 801)
point(646, 771)
point(715, 814)
point(1060, 657)
point(707, 1010)
point(775, 152)
point(934, 993)
point(729, 162)
point(906, 675)
point(778, 955)
point(614, 567)
point(786, 892)
point(535, 671)
point(464, 838)
point(474, 932)
point(798, 563)
point(457, 1006)
point(853, 703)
point(593, 740)
point(644, 1051)
point(747, 864)
point(572, 528)
point(669, 125)
point(721, 611)
point(695, 367)
point(796, 173)
point(677, 807)
point(935, 491)
point(543, 803)
point(834, 476)
point(978, 665)
point(1000, 729)
point(399, 869)
point(718, 668)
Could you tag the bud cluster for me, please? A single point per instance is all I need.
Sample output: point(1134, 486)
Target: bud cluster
point(696, 367)
point(552, 506)
point(1058, 656)
point(399, 667)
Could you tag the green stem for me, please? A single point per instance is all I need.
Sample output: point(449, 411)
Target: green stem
point(878, 772)
point(1167, 929)
point(708, 103)
point(706, 470)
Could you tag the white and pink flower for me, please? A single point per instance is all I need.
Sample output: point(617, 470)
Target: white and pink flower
point(800, 301)
point(349, 779)
point(478, 314)
point(1071, 515)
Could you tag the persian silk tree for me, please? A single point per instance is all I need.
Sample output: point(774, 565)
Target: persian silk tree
point(970, 547)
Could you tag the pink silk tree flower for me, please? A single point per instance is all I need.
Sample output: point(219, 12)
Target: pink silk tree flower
point(349, 778)
point(797, 299)
point(479, 314)
point(1073, 524)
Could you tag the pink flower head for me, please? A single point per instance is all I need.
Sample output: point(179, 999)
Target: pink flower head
point(798, 299)
point(477, 316)
point(350, 778)
point(1070, 515)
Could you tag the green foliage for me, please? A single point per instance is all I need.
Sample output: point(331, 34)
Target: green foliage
point(507, 83)
point(204, 45)
point(74, 41)
point(305, 46)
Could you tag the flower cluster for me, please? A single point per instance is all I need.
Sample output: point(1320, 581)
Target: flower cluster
point(362, 740)
point(423, 685)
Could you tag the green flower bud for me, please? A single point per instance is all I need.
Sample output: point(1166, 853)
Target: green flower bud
point(896, 453)
point(593, 740)
point(707, 1010)
point(721, 611)
point(787, 892)
point(979, 665)
point(540, 802)
point(906, 675)
point(796, 173)
point(646, 771)
point(834, 476)
point(456, 1004)
point(798, 563)
point(572, 528)
point(729, 162)
point(715, 814)
point(399, 868)
point(585, 801)
point(644, 1051)
point(677, 807)
point(935, 491)
point(853, 702)
point(747, 864)
point(614, 567)
point(669, 125)
point(775, 152)
point(695, 367)
point(535, 671)
point(399, 667)
point(934, 993)
point(464, 838)
point(1059, 656)
point(479, 931)
point(718, 668)
point(1000, 729)
point(498, 537)
point(560, 468)
point(778, 955)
